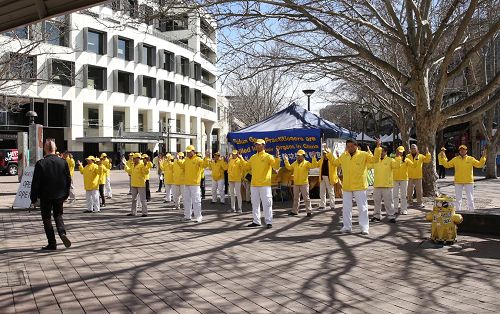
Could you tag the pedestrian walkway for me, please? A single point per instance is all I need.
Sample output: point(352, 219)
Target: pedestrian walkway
point(121, 264)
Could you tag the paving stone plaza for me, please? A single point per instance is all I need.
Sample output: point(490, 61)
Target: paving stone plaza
point(121, 264)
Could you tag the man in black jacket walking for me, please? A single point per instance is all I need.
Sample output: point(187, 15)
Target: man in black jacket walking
point(51, 184)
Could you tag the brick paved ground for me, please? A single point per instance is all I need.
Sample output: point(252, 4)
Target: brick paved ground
point(119, 264)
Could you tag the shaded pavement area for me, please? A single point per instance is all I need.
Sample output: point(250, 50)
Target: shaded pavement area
point(121, 264)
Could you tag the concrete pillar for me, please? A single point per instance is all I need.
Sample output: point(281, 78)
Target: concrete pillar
point(76, 121)
point(173, 129)
point(199, 134)
point(187, 129)
point(209, 126)
point(106, 117)
point(153, 119)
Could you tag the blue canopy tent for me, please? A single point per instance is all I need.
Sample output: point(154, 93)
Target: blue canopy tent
point(289, 130)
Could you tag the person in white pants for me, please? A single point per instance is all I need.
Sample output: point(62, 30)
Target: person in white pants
point(328, 177)
point(178, 184)
point(91, 183)
point(400, 178)
point(218, 165)
point(354, 163)
point(383, 185)
point(168, 176)
point(138, 172)
point(261, 164)
point(192, 166)
point(235, 175)
point(464, 176)
point(106, 162)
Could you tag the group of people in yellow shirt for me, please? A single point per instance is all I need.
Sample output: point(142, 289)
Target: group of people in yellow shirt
point(95, 176)
point(394, 180)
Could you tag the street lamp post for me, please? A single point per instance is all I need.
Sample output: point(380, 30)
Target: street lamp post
point(308, 93)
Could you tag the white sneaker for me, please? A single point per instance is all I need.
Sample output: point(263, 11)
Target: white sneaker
point(345, 230)
point(199, 219)
point(405, 212)
point(364, 232)
point(240, 211)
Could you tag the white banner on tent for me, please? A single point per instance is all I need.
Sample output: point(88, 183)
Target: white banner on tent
point(22, 199)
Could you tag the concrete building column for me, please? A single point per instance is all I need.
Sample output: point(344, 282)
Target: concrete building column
point(199, 135)
point(106, 118)
point(186, 129)
point(209, 126)
point(173, 129)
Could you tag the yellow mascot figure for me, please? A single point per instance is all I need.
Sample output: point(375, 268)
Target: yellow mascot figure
point(444, 220)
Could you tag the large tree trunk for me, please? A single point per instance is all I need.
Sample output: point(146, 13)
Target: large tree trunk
point(426, 136)
point(426, 128)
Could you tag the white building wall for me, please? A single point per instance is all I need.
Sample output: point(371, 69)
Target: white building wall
point(108, 101)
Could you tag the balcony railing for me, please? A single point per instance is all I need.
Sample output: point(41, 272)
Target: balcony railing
point(207, 58)
point(207, 107)
point(183, 45)
point(207, 82)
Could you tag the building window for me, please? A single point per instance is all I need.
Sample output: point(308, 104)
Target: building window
point(140, 120)
point(124, 48)
point(20, 33)
point(93, 118)
point(22, 67)
point(62, 72)
point(197, 98)
point(96, 77)
point(168, 91)
point(197, 71)
point(184, 94)
point(173, 23)
point(148, 87)
point(184, 66)
point(95, 41)
point(169, 63)
point(56, 32)
point(147, 54)
point(123, 82)
point(206, 28)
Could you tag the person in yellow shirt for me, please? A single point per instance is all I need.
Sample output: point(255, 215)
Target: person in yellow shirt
point(415, 173)
point(235, 175)
point(71, 164)
point(400, 179)
point(464, 176)
point(102, 171)
point(138, 172)
point(202, 181)
point(106, 162)
point(147, 162)
point(261, 164)
point(300, 169)
point(218, 165)
point(383, 184)
point(168, 176)
point(354, 163)
point(130, 162)
point(91, 184)
point(178, 183)
point(192, 176)
point(328, 177)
